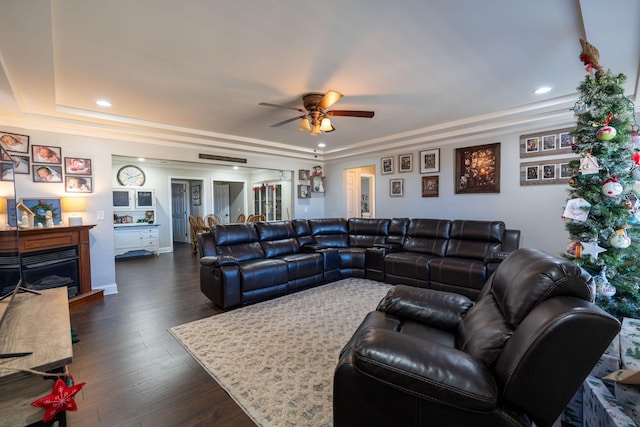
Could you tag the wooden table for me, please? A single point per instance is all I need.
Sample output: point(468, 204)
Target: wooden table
point(40, 324)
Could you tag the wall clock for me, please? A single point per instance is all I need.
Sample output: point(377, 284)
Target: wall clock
point(131, 175)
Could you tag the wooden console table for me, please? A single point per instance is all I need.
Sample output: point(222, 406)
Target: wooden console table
point(37, 239)
point(39, 324)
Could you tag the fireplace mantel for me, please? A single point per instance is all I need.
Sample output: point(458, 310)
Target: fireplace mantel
point(38, 239)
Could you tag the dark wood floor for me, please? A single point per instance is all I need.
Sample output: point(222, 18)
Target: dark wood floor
point(136, 372)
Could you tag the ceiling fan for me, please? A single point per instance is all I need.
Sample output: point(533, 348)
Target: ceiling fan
point(315, 117)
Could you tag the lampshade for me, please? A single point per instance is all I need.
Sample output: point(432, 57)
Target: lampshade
point(73, 205)
point(325, 125)
point(304, 124)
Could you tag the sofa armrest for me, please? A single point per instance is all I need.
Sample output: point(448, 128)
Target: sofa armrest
point(313, 248)
point(390, 247)
point(218, 261)
point(496, 257)
point(439, 309)
point(433, 372)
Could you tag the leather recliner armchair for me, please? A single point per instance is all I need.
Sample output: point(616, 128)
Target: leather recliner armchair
point(515, 356)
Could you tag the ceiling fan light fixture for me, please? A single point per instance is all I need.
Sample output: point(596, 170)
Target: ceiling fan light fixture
point(325, 125)
point(315, 130)
point(304, 124)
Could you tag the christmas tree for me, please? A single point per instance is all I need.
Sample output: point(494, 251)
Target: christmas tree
point(603, 208)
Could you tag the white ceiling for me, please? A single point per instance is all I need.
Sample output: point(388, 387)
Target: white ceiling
point(193, 72)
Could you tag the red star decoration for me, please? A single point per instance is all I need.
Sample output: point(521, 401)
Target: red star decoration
point(60, 399)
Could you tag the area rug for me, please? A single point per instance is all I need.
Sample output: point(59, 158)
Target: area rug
point(276, 359)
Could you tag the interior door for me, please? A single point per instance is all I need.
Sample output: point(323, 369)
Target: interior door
point(351, 193)
point(179, 221)
point(221, 202)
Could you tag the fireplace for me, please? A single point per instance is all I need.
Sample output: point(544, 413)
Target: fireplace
point(52, 268)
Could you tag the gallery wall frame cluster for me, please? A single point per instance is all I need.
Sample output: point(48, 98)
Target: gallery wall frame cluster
point(476, 170)
point(429, 163)
point(44, 163)
point(549, 144)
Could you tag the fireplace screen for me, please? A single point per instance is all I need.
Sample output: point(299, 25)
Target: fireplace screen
point(51, 269)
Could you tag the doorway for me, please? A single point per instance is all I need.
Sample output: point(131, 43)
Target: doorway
point(229, 200)
point(180, 212)
point(360, 192)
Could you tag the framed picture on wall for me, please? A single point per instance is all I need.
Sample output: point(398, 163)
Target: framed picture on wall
point(478, 169)
point(430, 161)
point(47, 173)
point(304, 192)
point(386, 165)
point(405, 163)
point(46, 154)
point(195, 195)
point(430, 186)
point(14, 142)
point(77, 166)
point(396, 187)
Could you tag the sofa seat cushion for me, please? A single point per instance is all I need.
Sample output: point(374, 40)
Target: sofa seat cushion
point(263, 273)
point(458, 272)
point(409, 264)
point(352, 258)
point(304, 265)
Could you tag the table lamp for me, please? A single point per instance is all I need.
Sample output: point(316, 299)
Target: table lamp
point(3, 207)
point(74, 205)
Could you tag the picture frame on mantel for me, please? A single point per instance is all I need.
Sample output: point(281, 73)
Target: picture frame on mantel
point(478, 169)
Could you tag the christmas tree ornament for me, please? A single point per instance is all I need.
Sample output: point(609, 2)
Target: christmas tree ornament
point(577, 209)
point(590, 56)
point(580, 108)
point(636, 157)
point(635, 137)
point(611, 187)
point(60, 399)
point(603, 287)
point(573, 181)
point(592, 249)
point(606, 133)
point(574, 248)
point(589, 165)
point(620, 239)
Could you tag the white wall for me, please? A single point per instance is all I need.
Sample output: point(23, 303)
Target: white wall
point(535, 210)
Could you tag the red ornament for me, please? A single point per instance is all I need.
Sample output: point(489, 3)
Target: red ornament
point(636, 157)
point(60, 399)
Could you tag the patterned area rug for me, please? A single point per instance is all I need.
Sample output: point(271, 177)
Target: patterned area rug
point(276, 358)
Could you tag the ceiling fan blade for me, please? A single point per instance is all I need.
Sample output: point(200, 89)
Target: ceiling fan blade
point(286, 121)
point(350, 113)
point(280, 106)
point(328, 99)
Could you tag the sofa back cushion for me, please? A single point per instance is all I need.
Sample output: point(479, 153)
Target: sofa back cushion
point(277, 238)
point(428, 236)
point(303, 232)
point(365, 232)
point(237, 240)
point(523, 281)
point(475, 239)
point(331, 232)
point(397, 231)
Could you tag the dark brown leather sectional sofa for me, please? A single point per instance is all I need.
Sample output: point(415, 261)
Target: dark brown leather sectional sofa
point(246, 263)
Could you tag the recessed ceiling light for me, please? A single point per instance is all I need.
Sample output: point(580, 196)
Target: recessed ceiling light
point(141, 159)
point(541, 90)
point(322, 145)
point(236, 168)
point(103, 103)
